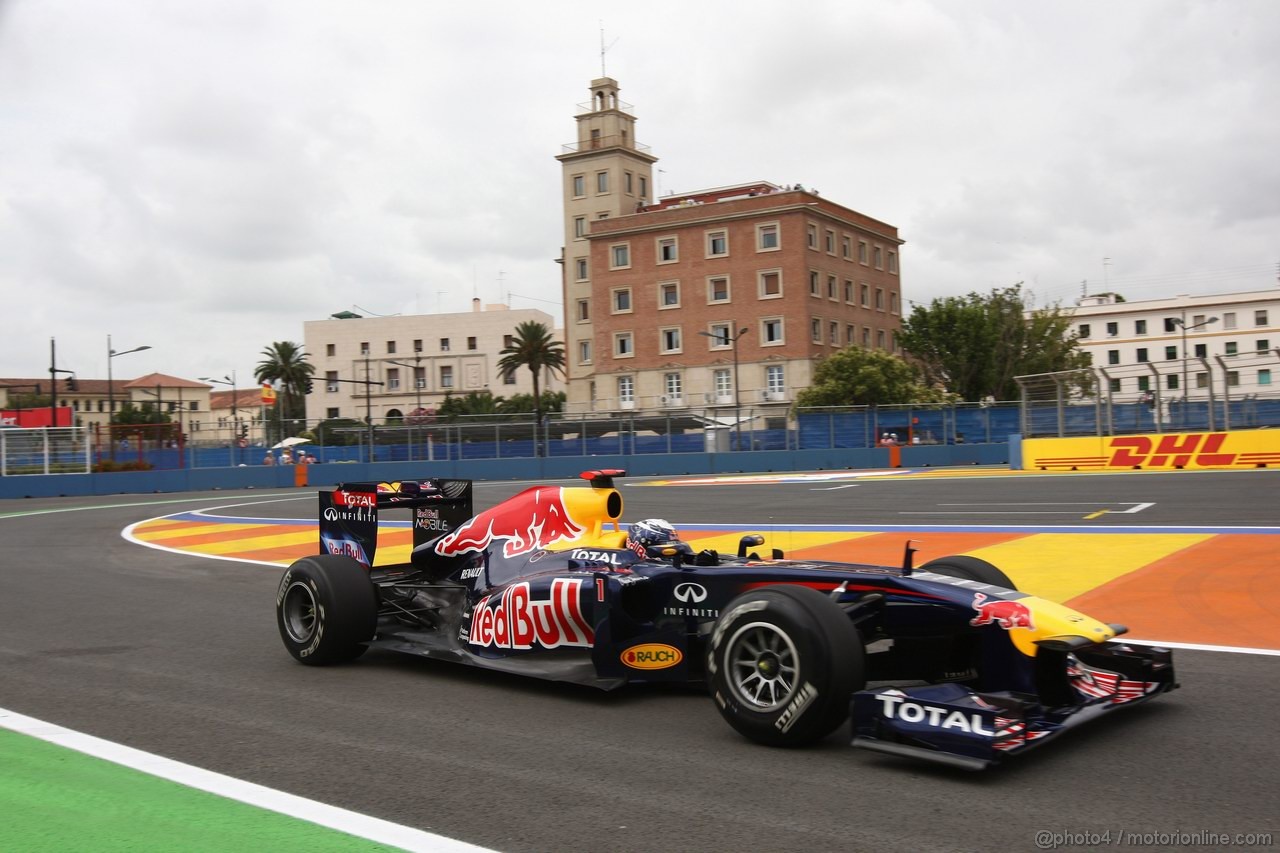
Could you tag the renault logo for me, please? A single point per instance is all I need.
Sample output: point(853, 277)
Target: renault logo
point(691, 593)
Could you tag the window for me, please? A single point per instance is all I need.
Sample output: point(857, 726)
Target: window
point(865, 295)
point(767, 238)
point(1202, 380)
point(1114, 385)
point(669, 339)
point(444, 345)
point(833, 333)
point(391, 347)
point(671, 382)
point(419, 377)
point(644, 187)
point(626, 182)
point(1171, 381)
point(1260, 317)
point(879, 256)
point(814, 287)
point(774, 380)
point(1139, 327)
point(893, 263)
point(331, 412)
point(879, 298)
point(1261, 345)
point(1170, 324)
point(331, 381)
point(1113, 329)
point(718, 336)
point(718, 289)
point(668, 252)
point(866, 337)
point(393, 378)
point(770, 284)
point(880, 338)
point(862, 252)
point(626, 389)
point(717, 244)
point(579, 186)
point(1113, 356)
point(846, 247)
point(1144, 383)
point(850, 332)
point(580, 269)
point(815, 330)
point(508, 341)
point(1229, 320)
point(893, 303)
point(364, 347)
point(1230, 348)
point(602, 182)
point(446, 376)
point(848, 291)
point(830, 242)
point(1142, 355)
point(623, 345)
point(832, 288)
point(1264, 376)
point(811, 235)
point(579, 226)
point(722, 381)
point(1084, 331)
point(471, 343)
point(417, 344)
point(621, 300)
point(330, 350)
point(1233, 378)
point(771, 331)
point(584, 352)
point(620, 256)
point(1170, 353)
point(584, 310)
point(508, 377)
point(1202, 350)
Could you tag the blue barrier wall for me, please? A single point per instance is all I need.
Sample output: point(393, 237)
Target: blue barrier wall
point(546, 468)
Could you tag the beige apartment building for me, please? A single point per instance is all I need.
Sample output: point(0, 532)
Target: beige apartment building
point(414, 361)
point(716, 298)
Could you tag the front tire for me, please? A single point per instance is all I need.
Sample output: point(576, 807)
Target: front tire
point(783, 663)
point(326, 609)
point(970, 569)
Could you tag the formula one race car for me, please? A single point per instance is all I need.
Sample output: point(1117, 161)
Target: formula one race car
point(548, 584)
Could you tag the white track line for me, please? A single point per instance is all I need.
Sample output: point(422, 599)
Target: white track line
point(342, 820)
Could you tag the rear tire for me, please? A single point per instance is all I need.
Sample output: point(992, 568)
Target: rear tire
point(326, 609)
point(969, 568)
point(783, 663)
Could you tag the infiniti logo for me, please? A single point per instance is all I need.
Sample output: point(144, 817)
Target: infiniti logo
point(690, 593)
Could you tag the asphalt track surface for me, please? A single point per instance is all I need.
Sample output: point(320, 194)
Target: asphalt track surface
point(179, 655)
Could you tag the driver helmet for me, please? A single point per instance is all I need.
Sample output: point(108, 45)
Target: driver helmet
point(651, 531)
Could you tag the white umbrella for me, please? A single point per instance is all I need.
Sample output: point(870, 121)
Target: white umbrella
point(290, 442)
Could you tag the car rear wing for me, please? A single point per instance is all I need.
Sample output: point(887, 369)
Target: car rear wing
point(349, 514)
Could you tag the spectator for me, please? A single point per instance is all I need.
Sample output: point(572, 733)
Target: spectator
point(269, 459)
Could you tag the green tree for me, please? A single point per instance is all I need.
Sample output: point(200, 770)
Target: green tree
point(975, 345)
point(472, 403)
point(860, 377)
point(285, 365)
point(338, 432)
point(533, 347)
point(517, 404)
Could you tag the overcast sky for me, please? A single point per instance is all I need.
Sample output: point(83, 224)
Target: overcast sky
point(203, 176)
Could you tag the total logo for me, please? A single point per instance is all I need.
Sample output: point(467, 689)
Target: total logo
point(652, 656)
point(894, 706)
point(689, 594)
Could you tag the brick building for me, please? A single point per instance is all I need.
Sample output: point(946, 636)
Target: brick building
point(721, 297)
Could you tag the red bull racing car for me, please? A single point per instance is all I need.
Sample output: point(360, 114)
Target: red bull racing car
point(963, 668)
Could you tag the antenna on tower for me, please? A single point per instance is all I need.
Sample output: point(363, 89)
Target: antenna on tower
point(604, 48)
point(507, 298)
point(1084, 287)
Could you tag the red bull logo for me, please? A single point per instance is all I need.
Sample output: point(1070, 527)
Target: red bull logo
point(534, 519)
point(1007, 614)
point(515, 621)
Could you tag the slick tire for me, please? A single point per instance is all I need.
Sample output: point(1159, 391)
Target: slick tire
point(326, 609)
point(969, 568)
point(782, 664)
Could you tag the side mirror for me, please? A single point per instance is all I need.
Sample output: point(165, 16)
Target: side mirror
point(751, 540)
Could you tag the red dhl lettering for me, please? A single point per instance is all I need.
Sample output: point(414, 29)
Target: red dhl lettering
point(515, 621)
point(1169, 451)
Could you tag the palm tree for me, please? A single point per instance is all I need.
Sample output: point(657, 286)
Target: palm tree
point(286, 364)
point(532, 346)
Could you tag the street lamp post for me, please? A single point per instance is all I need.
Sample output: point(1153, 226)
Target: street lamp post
point(731, 340)
point(417, 387)
point(235, 412)
point(368, 399)
point(1182, 324)
point(111, 390)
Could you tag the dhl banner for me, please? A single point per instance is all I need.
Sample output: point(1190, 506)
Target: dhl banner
point(1251, 449)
